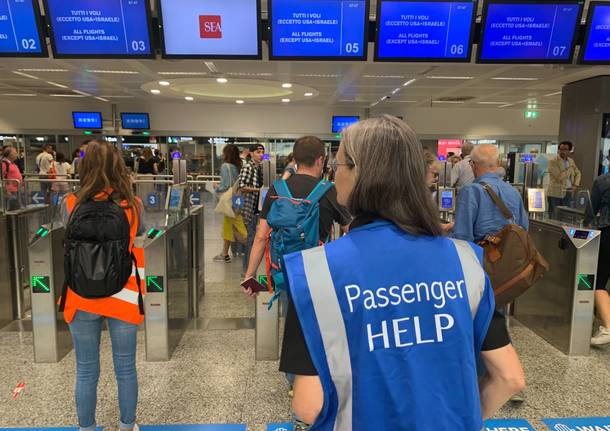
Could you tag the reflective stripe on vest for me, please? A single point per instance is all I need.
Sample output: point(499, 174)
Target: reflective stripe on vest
point(332, 329)
point(474, 276)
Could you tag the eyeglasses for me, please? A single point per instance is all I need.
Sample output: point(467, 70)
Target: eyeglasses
point(334, 165)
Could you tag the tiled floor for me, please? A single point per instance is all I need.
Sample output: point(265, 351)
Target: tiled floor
point(213, 377)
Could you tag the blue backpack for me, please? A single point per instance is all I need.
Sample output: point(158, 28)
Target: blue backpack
point(295, 226)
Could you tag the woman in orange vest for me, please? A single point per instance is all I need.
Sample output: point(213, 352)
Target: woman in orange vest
point(104, 176)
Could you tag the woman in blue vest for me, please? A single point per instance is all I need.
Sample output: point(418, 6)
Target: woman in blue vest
point(394, 315)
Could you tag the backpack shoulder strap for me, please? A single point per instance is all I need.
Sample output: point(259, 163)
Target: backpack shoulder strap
point(494, 197)
point(281, 188)
point(319, 191)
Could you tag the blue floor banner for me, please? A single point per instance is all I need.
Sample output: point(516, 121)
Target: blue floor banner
point(198, 427)
point(507, 425)
point(280, 427)
point(578, 424)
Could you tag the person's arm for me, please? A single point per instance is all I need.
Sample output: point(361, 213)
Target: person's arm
point(465, 214)
point(224, 179)
point(523, 221)
point(557, 174)
point(503, 379)
point(258, 248)
point(577, 173)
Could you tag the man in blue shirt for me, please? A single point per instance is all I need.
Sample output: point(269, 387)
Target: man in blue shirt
point(477, 215)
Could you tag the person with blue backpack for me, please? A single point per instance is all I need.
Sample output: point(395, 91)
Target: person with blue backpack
point(297, 214)
point(394, 316)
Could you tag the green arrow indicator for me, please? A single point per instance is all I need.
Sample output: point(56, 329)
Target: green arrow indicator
point(262, 279)
point(586, 281)
point(154, 284)
point(41, 284)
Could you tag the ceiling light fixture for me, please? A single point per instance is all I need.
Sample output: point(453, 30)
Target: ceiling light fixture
point(26, 75)
point(557, 93)
point(507, 78)
point(239, 102)
point(102, 99)
point(383, 76)
point(222, 80)
point(285, 100)
point(452, 102)
point(56, 84)
point(211, 66)
point(463, 78)
point(18, 94)
point(82, 93)
point(66, 95)
point(506, 106)
point(286, 85)
point(308, 94)
point(43, 70)
point(155, 91)
point(189, 98)
point(113, 72)
point(492, 103)
point(118, 97)
point(181, 73)
point(396, 91)
point(409, 82)
point(164, 83)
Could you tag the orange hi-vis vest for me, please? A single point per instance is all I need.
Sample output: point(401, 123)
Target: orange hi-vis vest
point(123, 305)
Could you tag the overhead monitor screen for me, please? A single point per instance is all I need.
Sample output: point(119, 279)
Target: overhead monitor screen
point(211, 29)
point(135, 120)
point(424, 30)
point(20, 32)
point(341, 122)
point(100, 28)
point(529, 32)
point(329, 29)
point(87, 120)
point(596, 46)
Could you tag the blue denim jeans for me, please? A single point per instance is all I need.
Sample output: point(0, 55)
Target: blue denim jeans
point(86, 329)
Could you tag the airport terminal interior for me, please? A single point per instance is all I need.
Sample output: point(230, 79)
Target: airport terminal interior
point(179, 80)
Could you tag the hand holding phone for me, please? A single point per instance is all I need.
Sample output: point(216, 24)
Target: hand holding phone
point(253, 285)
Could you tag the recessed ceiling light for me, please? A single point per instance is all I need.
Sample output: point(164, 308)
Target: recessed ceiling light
point(239, 102)
point(189, 98)
point(286, 100)
point(164, 83)
point(308, 94)
point(155, 91)
point(451, 77)
point(507, 78)
point(222, 80)
point(286, 85)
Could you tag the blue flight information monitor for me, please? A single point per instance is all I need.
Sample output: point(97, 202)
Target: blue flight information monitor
point(87, 120)
point(135, 120)
point(20, 33)
point(424, 30)
point(538, 32)
point(309, 29)
point(100, 28)
point(341, 122)
point(596, 46)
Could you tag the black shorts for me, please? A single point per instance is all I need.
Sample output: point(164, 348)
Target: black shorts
point(603, 267)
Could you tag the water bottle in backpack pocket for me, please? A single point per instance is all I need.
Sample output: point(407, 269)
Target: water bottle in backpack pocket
point(295, 226)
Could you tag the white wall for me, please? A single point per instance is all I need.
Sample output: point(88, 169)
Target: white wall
point(278, 121)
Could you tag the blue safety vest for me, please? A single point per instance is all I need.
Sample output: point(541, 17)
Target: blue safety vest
point(394, 324)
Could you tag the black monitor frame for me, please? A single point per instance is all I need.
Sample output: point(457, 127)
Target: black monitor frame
point(44, 52)
point(425, 59)
point(365, 42)
point(585, 39)
point(570, 58)
point(57, 54)
point(259, 28)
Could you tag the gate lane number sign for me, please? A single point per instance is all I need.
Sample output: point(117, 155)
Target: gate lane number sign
point(280, 427)
point(153, 199)
point(578, 424)
point(195, 198)
point(507, 425)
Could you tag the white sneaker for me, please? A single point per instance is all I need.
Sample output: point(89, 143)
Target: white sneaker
point(602, 336)
point(135, 428)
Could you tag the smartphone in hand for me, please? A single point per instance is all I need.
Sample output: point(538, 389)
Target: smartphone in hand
point(254, 285)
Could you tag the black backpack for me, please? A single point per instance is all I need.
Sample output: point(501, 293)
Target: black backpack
point(97, 259)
